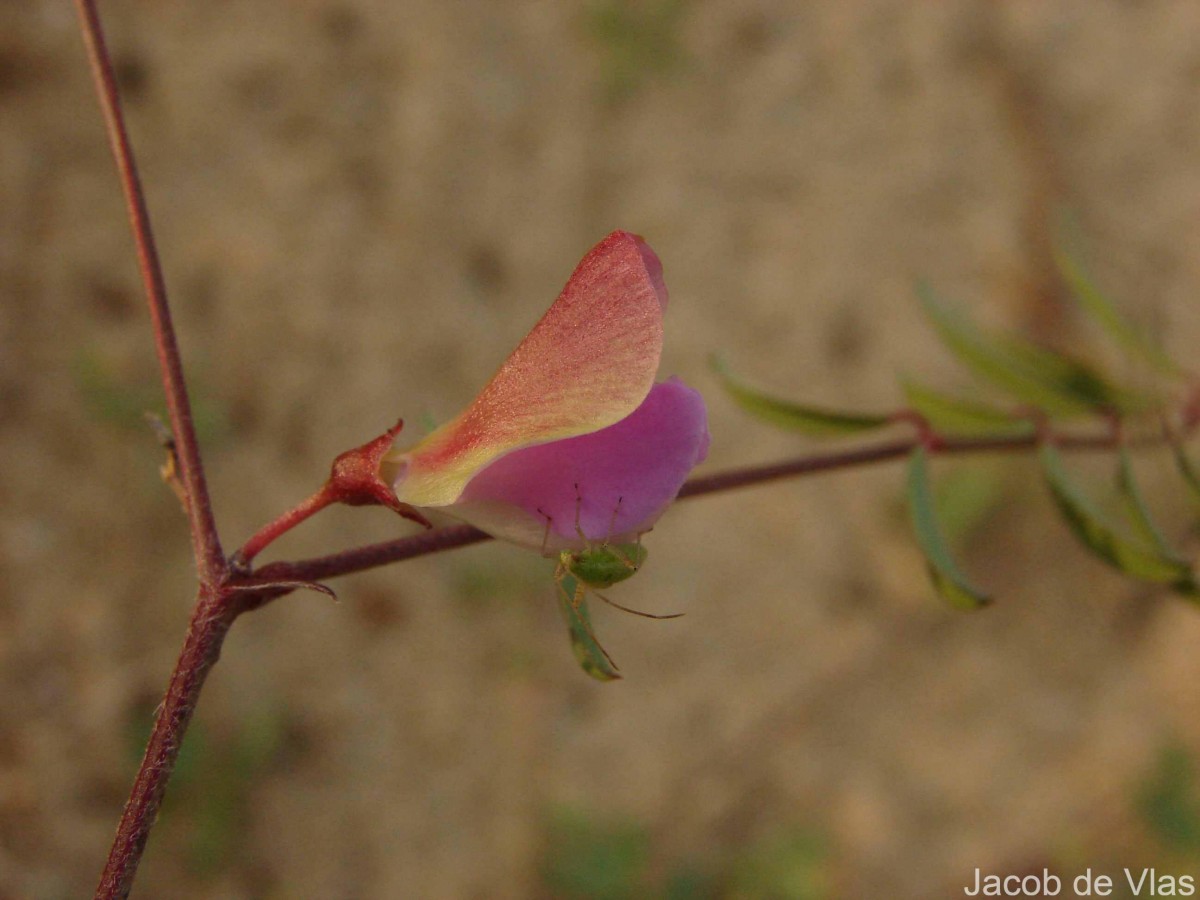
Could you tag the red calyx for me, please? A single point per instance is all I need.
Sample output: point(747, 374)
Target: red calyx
point(354, 478)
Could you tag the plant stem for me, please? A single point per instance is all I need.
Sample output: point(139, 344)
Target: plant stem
point(284, 523)
point(206, 633)
point(206, 545)
point(374, 555)
point(215, 608)
point(876, 453)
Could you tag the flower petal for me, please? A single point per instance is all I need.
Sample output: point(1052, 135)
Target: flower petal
point(588, 363)
point(612, 484)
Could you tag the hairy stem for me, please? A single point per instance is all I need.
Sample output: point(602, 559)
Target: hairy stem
point(206, 633)
point(215, 609)
point(263, 538)
point(206, 545)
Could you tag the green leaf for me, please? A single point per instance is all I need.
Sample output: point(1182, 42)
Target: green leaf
point(959, 415)
point(1105, 313)
point(947, 578)
point(1132, 557)
point(591, 656)
point(814, 421)
point(1046, 379)
point(1136, 511)
point(967, 497)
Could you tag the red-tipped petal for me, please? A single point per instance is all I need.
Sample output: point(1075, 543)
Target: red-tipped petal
point(588, 363)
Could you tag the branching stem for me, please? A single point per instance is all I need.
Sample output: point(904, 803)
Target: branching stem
point(374, 555)
point(206, 546)
point(206, 634)
point(216, 607)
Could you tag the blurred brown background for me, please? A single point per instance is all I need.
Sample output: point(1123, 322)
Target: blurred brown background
point(362, 206)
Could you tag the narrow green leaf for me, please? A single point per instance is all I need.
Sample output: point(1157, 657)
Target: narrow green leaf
point(959, 415)
point(1130, 556)
point(591, 656)
point(814, 421)
point(1046, 379)
point(947, 578)
point(1137, 513)
point(967, 497)
point(1105, 313)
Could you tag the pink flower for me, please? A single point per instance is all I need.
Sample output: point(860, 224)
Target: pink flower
point(571, 435)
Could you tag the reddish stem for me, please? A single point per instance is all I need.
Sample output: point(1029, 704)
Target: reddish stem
point(214, 611)
point(206, 633)
point(206, 545)
point(373, 555)
point(274, 580)
point(286, 522)
point(370, 556)
point(926, 433)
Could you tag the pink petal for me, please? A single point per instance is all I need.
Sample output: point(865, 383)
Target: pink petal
point(588, 363)
point(614, 483)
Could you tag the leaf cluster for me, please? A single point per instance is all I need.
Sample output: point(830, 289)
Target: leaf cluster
point(1038, 390)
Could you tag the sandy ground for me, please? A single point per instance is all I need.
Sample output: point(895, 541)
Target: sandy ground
point(362, 205)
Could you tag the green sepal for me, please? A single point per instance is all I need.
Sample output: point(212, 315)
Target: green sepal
point(958, 415)
point(591, 656)
point(947, 578)
point(1043, 378)
point(814, 421)
point(1105, 314)
point(1134, 558)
